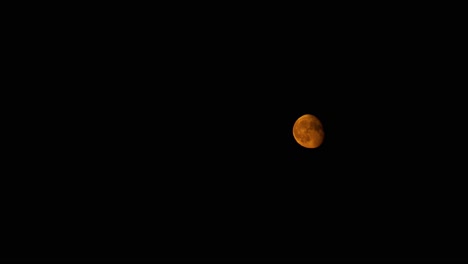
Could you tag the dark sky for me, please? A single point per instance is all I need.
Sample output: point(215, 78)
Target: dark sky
point(179, 143)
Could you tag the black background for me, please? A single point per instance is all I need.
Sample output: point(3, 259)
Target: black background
point(145, 136)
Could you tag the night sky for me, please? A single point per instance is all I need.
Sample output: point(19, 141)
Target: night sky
point(179, 143)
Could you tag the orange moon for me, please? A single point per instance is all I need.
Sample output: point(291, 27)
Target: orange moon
point(308, 131)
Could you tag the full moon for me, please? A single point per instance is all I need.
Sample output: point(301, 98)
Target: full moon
point(308, 131)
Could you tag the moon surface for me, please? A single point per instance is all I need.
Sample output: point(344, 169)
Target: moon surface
point(308, 131)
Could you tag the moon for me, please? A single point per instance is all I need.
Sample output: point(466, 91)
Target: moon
point(308, 131)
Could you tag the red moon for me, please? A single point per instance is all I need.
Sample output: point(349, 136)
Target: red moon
point(308, 131)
